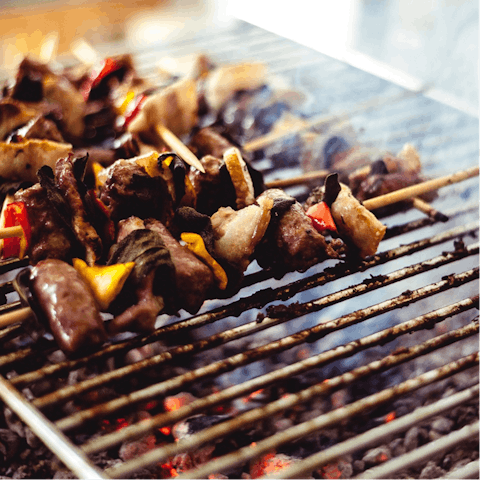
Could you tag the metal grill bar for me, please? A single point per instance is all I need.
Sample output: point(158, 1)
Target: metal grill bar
point(55, 440)
point(267, 350)
point(257, 300)
point(378, 434)
point(200, 320)
point(238, 332)
point(263, 381)
point(423, 453)
point(245, 454)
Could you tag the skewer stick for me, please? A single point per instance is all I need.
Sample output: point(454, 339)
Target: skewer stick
point(303, 178)
point(419, 189)
point(426, 208)
point(15, 316)
point(10, 232)
point(179, 147)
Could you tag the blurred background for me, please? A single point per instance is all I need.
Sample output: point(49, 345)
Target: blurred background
point(419, 44)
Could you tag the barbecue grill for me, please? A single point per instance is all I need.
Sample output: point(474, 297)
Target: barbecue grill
point(327, 347)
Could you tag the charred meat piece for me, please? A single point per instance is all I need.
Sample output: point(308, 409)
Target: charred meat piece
point(291, 242)
point(68, 305)
point(193, 279)
point(214, 188)
point(151, 281)
point(50, 236)
point(36, 82)
point(207, 141)
point(68, 184)
point(21, 161)
point(129, 190)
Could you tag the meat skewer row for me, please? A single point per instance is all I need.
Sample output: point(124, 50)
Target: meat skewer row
point(52, 301)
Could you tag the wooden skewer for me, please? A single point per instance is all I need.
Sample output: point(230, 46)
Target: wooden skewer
point(179, 147)
point(10, 232)
point(426, 208)
point(419, 189)
point(15, 316)
point(303, 178)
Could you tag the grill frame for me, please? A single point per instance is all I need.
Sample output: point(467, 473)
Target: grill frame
point(368, 107)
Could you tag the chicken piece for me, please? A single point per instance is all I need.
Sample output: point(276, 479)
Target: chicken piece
point(291, 242)
point(50, 236)
point(208, 141)
point(193, 279)
point(21, 161)
point(223, 82)
point(356, 224)
point(175, 107)
point(66, 302)
point(237, 233)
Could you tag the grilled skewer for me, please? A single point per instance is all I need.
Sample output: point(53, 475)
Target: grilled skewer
point(25, 313)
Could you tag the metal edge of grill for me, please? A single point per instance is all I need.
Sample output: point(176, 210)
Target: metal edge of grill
point(450, 248)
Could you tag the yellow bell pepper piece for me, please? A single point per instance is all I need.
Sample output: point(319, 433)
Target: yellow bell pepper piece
point(97, 169)
point(129, 97)
point(105, 281)
point(150, 163)
point(194, 242)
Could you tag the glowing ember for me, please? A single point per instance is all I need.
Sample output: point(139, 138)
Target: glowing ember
point(270, 463)
point(330, 470)
point(389, 417)
point(252, 395)
point(176, 401)
point(166, 430)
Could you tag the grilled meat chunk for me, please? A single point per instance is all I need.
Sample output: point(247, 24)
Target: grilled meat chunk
point(50, 236)
point(291, 242)
point(207, 141)
point(129, 190)
point(68, 185)
point(237, 233)
point(66, 302)
point(193, 279)
point(151, 281)
point(355, 224)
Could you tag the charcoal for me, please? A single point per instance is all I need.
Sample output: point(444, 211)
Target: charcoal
point(442, 425)
point(9, 444)
point(432, 471)
point(377, 455)
point(411, 439)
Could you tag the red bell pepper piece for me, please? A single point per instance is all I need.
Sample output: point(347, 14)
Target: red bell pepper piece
point(321, 217)
point(108, 66)
point(136, 109)
point(15, 214)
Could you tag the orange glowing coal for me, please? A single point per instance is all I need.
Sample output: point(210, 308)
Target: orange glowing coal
point(330, 470)
point(390, 416)
point(252, 395)
point(269, 464)
point(176, 401)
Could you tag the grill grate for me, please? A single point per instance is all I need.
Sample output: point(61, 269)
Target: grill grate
point(421, 283)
